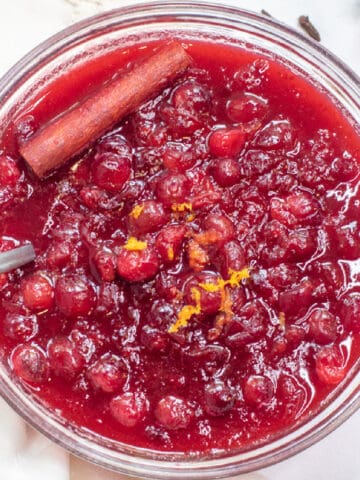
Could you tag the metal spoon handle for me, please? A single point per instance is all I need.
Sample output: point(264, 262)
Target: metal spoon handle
point(17, 257)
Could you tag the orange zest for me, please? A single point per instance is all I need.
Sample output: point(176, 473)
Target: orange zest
point(198, 258)
point(181, 207)
point(136, 211)
point(187, 312)
point(135, 245)
point(170, 254)
point(282, 319)
point(236, 276)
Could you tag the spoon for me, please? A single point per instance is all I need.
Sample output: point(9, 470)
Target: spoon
point(17, 257)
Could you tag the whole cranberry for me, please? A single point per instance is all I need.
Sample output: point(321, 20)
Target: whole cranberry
point(38, 292)
point(226, 142)
point(155, 340)
point(172, 188)
point(173, 413)
point(147, 217)
point(169, 241)
point(138, 266)
point(9, 171)
point(110, 171)
point(75, 296)
point(29, 363)
point(176, 158)
point(330, 365)
point(222, 225)
point(258, 390)
point(226, 171)
point(322, 326)
point(108, 373)
point(350, 312)
point(204, 282)
point(20, 327)
point(64, 358)
point(219, 398)
point(246, 108)
point(129, 408)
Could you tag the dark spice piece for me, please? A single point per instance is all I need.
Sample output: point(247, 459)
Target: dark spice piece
point(267, 14)
point(309, 28)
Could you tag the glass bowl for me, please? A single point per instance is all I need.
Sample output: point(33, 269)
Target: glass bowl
point(103, 33)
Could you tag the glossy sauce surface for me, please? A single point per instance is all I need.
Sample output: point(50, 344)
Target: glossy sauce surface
point(196, 285)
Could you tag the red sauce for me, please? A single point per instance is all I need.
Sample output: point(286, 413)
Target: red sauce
point(197, 276)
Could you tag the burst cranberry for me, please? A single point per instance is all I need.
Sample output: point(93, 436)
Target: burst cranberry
point(219, 399)
point(258, 390)
point(173, 413)
point(330, 365)
point(300, 295)
point(204, 282)
point(59, 254)
point(64, 358)
point(104, 264)
point(4, 278)
point(74, 296)
point(246, 108)
point(293, 395)
point(322, 326)
point(24, 128)
point(108, 374)
point(294, 335)
point(129, 408)
point(114, 143)
point(38, 292)
point(231, 256)
point(350, 312)
point(275, 135)
point(172, 188)
point(191, 96)
point(302, 205)
point(29, 363)
point(110, 296)
point(9, 171)
point(20, 327)
point(248, 326)
point(168, 242)
point(226, 172)
point(177, 159)
point(147, 217)
point(226, 142)
point(155, 340)
point(138, 266)
point(93, 197)
point(222, 225)
point(111, 171)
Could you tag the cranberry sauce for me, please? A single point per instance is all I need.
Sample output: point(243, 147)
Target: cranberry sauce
point(197, 280)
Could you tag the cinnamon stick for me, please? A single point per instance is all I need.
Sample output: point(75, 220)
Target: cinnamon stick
point(72, 131)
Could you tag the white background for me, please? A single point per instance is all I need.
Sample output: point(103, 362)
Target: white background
point(25, 455)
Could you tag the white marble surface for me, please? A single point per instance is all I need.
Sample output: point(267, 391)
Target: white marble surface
point(25, 455)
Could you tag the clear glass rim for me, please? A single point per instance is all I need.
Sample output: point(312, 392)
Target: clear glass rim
point(138, 462)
